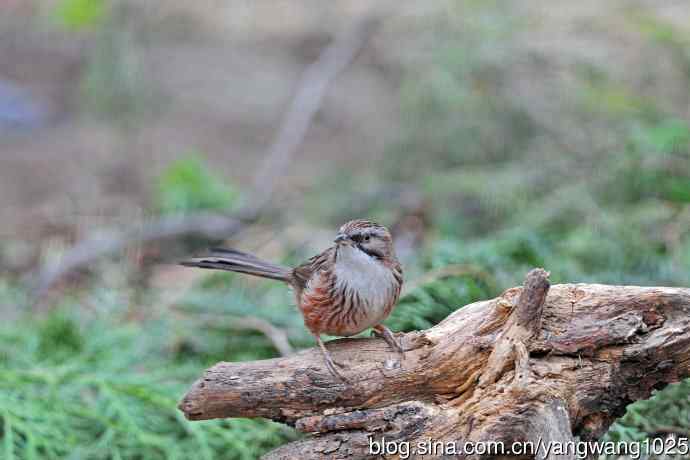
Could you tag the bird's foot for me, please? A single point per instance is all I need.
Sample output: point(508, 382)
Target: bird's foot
point(330, 362)
point(386, 334)
point(333, 366)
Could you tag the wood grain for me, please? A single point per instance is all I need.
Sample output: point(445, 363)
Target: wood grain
point(583, 352)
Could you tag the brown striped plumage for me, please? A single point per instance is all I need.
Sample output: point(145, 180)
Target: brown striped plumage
point(346, 289)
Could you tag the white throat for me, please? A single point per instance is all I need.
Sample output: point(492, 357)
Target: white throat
point(369, 277)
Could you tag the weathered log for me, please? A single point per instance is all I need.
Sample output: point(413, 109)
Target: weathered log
point(535, 364)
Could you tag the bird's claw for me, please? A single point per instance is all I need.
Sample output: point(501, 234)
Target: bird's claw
point(387, 335)
point(331, 365)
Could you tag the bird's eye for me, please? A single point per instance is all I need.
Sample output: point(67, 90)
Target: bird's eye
point(367, 237)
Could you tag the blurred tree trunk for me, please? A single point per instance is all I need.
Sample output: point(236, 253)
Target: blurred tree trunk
point(536, 364)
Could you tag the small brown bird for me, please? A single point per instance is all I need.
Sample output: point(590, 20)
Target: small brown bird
point(346, 289)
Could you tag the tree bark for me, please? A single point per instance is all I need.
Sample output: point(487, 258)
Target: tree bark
point(536, 364)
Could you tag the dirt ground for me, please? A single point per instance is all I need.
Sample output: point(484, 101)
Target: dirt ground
point(215, 77)
point(216, 84)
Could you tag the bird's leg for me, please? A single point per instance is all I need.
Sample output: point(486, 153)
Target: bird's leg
point(386, 334)
point(330, 362)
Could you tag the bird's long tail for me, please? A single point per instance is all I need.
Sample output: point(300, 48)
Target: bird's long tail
point(237, 261)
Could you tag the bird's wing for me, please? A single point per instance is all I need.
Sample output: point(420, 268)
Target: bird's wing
point(304, 272)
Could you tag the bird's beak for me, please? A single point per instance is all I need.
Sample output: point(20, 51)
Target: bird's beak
point(341, 238)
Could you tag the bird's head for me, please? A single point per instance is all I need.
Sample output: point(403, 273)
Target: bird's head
point(369, 237)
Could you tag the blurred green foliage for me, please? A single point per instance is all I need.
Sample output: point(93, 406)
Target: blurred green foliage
point(188, 184)
point(100, 389)
point(79, 14)
point(115, 85)
point(667, 410)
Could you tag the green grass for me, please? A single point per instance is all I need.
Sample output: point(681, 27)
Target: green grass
point(108, 390)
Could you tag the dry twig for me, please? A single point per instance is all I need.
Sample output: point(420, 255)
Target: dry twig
point(308, 99)
point(277, 336)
